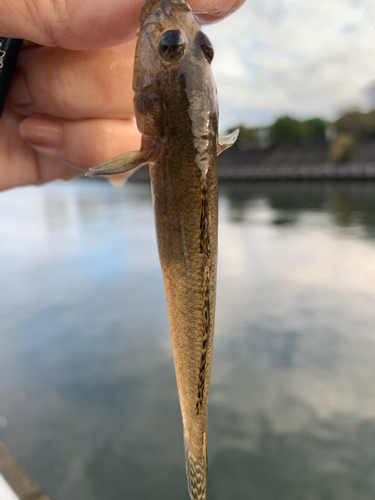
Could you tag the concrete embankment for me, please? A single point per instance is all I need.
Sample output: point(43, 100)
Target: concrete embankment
point(299, 161)
point(248, 172)
point(291, 172)
point(15, 483)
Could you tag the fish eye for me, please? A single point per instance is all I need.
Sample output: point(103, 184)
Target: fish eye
point(208, 52)
point(202, 41)
point(172, 45)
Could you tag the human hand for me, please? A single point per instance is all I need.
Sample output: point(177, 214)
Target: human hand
point(70, 106)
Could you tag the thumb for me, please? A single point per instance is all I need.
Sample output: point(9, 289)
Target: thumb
point(88, 24)
point(70, 24)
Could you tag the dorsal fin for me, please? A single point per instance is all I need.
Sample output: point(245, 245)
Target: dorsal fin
point(226, 141)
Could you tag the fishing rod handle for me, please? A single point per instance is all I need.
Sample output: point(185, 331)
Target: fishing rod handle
point(9, 50)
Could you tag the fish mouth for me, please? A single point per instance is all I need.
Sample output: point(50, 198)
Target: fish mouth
point(150, 5)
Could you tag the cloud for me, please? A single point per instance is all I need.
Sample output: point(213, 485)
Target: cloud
point(301, 57)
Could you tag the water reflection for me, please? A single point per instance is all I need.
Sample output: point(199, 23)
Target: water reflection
point(87, 382)
point(351, 203)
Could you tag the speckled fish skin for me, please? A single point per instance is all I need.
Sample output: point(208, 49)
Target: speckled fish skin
point(176, 108)
point(181, 98)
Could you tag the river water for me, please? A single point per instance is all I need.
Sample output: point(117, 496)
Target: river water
point(88, 398)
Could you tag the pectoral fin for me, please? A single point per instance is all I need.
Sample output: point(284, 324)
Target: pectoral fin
point(226, 141)
point(127, 161)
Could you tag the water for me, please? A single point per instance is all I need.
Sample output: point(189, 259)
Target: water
point(88, 399)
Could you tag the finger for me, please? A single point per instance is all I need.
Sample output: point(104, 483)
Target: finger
point(80, 144)
point(20, 165)
point(212, 11)
point(87, 24)
point(74, 84)
point(13, 154)
point(50, 169)
point(71, 24)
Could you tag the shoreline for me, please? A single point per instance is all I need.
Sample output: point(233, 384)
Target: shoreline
point(284, 171)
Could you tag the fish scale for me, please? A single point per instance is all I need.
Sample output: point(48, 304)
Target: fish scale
point(177, 113)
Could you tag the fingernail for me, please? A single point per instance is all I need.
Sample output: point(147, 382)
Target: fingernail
point(41, 132)
point(19, 94)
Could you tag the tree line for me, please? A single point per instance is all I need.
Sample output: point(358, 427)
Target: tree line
point(345, 134)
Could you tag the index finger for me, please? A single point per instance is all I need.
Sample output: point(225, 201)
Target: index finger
point(88, 24)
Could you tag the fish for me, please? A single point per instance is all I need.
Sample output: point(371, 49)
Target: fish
point(176, 109)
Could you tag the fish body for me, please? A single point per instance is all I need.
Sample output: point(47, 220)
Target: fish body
point(176, 108)
point(184, 186)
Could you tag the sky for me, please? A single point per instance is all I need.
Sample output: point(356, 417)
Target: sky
point(304, 58)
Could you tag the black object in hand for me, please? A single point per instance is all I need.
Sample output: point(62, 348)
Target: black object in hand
point(9, 50)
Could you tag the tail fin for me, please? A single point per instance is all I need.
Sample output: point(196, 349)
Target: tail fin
point(196, 469)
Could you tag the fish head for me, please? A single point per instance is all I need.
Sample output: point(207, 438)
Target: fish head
point(172, 71)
